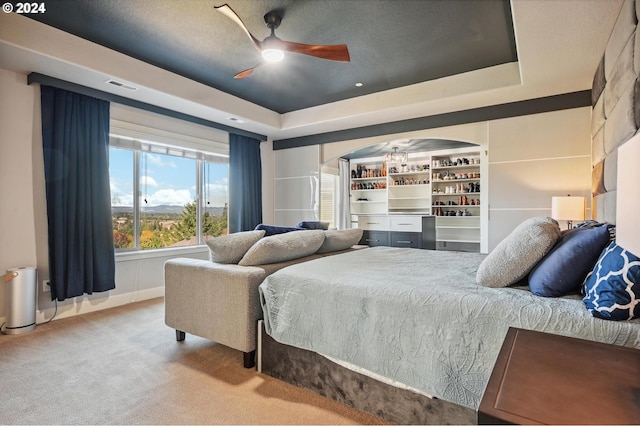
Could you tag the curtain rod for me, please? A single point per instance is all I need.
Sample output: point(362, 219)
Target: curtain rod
point(46, 80)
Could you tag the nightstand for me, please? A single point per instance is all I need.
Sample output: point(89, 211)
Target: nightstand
point(542, 378)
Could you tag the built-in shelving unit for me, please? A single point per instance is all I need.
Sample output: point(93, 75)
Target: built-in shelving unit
point(456, 201)
point(446, 185)
point(409, 192)
point(368, 188)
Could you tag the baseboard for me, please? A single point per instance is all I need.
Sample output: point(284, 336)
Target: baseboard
point(83, 305)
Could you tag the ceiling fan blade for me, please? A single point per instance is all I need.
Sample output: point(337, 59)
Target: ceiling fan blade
point(338, 52)
point(226, 10)
point(248, 72)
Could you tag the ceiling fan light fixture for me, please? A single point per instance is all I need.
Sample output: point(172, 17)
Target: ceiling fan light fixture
point(272, 55)
point(272, 48)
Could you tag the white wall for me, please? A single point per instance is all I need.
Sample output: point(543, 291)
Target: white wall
point(17, 205)
point(530, 159)
point(296, 185)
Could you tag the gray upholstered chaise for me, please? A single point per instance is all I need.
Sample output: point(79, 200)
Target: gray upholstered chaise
point(219, 300)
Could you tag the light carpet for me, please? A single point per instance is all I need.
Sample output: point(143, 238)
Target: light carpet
point(124, 366)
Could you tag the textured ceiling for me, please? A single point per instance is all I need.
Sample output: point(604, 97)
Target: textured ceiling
point(392, 43)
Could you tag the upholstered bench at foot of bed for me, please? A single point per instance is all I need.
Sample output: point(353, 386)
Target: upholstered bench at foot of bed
point(220, 301)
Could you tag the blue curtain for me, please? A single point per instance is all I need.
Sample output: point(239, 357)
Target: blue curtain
point(245, 183)
point(75, 139)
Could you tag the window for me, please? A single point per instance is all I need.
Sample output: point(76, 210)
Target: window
point(121, 170)
point(328, 182)
point(181, 199)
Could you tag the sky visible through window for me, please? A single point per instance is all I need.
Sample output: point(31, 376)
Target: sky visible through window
point(165, 180)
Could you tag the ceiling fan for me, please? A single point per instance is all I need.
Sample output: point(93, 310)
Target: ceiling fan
point(272, 48)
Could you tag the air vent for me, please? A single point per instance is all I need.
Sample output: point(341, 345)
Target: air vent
point(121, 84)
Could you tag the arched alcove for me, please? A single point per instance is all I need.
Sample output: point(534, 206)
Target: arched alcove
point(407, 145)
point(457, 142)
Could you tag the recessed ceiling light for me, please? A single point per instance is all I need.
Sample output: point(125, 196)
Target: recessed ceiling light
point(235, 119)
point(359, 84)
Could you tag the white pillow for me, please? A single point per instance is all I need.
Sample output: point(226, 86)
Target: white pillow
point(340, 239)
point(516, 255)
point(230, 248)
point(283, 247)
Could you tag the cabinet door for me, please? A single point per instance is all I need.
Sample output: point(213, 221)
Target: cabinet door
point(375, 238)
point(406, 239)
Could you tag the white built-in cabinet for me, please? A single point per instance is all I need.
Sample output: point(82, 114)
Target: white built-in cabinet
point(443, 184)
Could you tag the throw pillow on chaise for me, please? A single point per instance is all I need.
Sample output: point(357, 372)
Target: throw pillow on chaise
point(230, 248)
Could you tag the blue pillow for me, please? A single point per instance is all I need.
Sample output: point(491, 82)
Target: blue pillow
point(274, 230)
point(612, 289)
point(565, 267)
point(308, 224)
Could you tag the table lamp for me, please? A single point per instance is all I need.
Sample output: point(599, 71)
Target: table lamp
point(568, 208)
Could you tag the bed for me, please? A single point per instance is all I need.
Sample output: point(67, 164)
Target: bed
point(417, 320)
point(417, 317)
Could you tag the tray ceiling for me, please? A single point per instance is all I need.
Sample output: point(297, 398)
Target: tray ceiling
point(391, 43)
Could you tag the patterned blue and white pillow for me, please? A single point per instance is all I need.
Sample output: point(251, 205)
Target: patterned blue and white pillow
point(612, 289)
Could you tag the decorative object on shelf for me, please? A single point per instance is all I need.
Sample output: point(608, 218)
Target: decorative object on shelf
point(460, 188)
point(396, 157)
point(568, 208)
point(409, 181)
point(361, 172)
point(439, 212)
point(457, 162)
point(368, 185)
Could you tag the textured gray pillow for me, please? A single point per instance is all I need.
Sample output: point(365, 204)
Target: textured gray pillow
point(340, 239)
point(516, 255)
point(283, 247)
point(230, 248)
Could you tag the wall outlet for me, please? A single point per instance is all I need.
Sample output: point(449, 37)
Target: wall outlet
point(46, 286)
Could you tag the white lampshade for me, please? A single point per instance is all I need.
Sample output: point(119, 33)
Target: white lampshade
point(568, 208)
point(627, 201)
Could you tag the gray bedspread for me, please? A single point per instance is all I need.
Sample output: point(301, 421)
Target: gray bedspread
point(417, 317)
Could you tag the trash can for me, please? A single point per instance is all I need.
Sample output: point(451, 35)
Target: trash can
point(21, 293)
